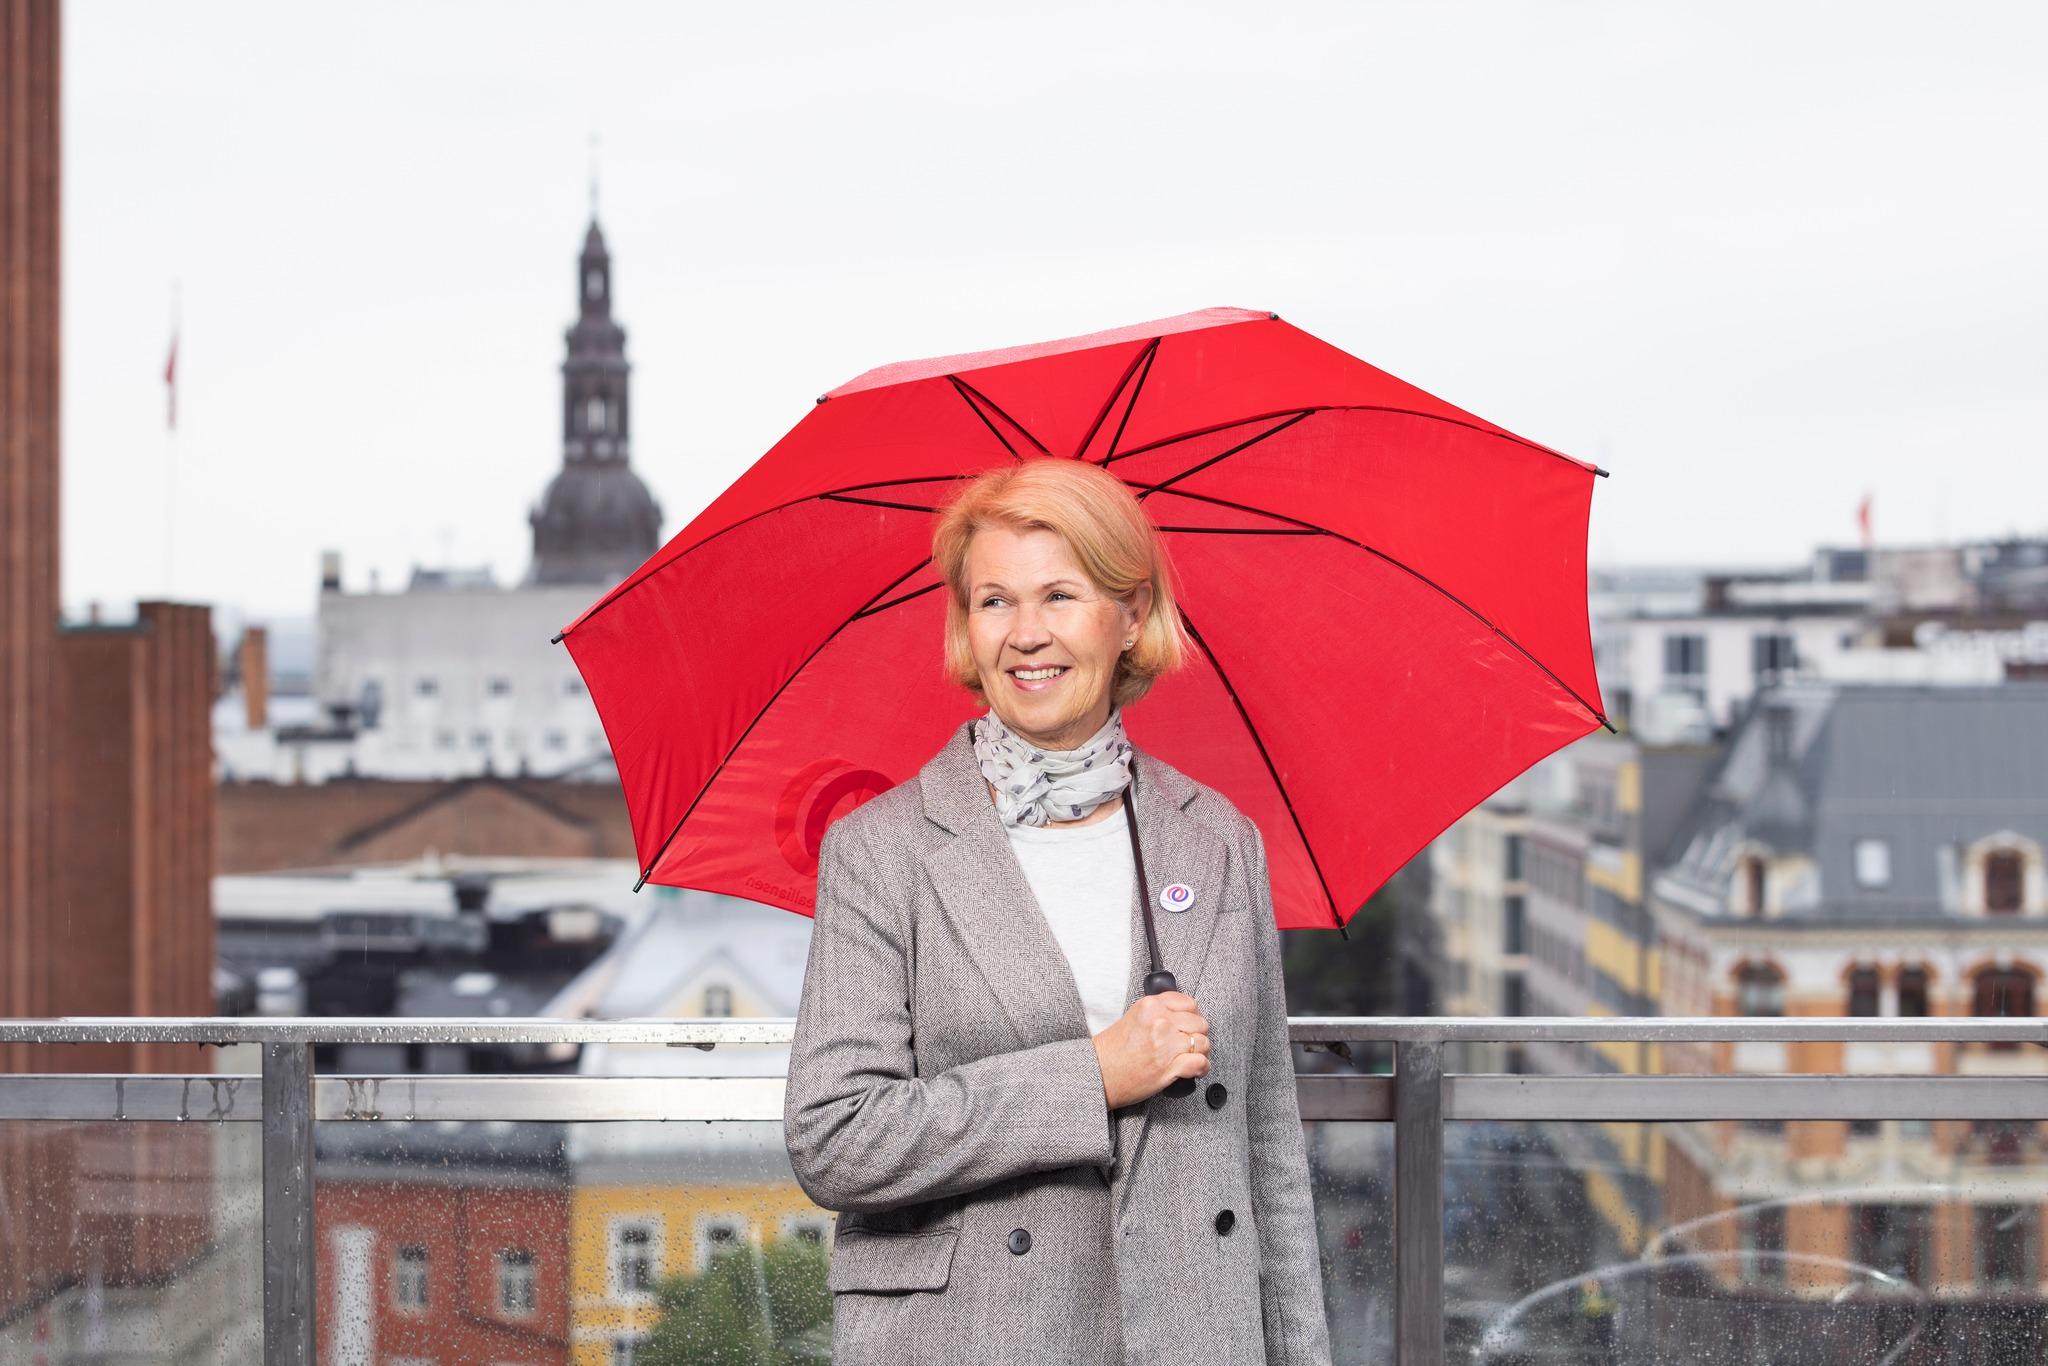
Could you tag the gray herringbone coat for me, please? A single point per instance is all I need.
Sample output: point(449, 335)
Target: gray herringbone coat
point(944, 1095)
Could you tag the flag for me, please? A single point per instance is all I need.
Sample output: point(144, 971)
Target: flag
point(171, 384)
point(1863, 519)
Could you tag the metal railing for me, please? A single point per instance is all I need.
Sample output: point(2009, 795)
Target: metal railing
point(1418, 1098)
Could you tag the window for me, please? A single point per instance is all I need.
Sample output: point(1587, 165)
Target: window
point(635, 1256)
point(554, 739)
point(2002, 992)
point(571, 686)
point(1772, 654)
point(2002, 882)
point(1685, 658)
point(498, 686)
point(409, 1278)
point(805, 1228)
point(1764, 1233)
point(444, 739)
point(718, 1233)
point(518, 1295)
point(1753, 885)
point(593, 284)
point(1514, 999)
point(1912, 991)
point(1514, 857)
point(593, 414)
point(1892, 1238)
point(718, 1000)
point(2004, 1240)
point(624, 1349)
point(426, 687)
point(1873, 863)
point(480, 739)
point(1759, 990)
point(1514, 914)
point(1863, 992)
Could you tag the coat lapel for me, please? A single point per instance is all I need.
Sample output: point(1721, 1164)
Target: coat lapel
point(1177, 848)
point(987, 897)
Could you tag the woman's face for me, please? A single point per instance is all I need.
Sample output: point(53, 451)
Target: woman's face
point(1031, 609)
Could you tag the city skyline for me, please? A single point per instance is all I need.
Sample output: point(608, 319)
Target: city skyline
point(1641, 238)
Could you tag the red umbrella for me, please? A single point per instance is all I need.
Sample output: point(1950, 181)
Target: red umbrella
point(1389, 595)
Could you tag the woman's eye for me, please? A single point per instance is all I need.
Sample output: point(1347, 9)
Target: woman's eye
point(1059, 593)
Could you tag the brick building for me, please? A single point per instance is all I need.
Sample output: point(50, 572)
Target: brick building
point(1872, 851)
point(105, 804)
point(443, 1243)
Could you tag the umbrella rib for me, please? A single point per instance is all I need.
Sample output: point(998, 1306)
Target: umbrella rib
point(885, 606)
point(977, 400)
point(1416, 574)
point(1143, 358)
point(1243, 530)
point(794, 674)
point(1274, 772)
point(1361, 408)
point(826, 495)
point(1274, 430)
point(1132, 406)
point(874, 503)
point(995, 408)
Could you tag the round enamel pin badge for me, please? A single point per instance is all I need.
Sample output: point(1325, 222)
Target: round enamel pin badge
point(1177, 897)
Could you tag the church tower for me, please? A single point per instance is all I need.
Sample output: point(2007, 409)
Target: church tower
point(597, 522)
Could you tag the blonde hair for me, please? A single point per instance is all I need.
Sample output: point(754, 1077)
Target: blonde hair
point(1110, 537)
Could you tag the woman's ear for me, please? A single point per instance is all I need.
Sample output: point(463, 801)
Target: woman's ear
point(1137, 607)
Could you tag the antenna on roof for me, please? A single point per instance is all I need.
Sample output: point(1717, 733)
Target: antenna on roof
point(593, 175)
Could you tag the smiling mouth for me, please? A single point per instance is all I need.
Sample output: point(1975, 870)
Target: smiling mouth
point(1038, 677)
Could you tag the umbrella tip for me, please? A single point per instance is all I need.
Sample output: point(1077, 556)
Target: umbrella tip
point(556, 638)
point(1610, 726)
point(643, 880)
point(1602, 473)
point(820, 399)
point(1273, 317)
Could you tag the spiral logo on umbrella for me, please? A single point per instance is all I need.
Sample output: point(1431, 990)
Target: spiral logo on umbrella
point(818, 794)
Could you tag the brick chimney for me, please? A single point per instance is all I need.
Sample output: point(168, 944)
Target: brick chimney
point(252, 662)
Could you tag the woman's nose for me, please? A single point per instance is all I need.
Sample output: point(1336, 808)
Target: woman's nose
point(1027, 626)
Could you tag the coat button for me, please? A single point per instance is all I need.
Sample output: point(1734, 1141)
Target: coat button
point(1225, 1222)
point(1020, 1241)
point(1216, 1095)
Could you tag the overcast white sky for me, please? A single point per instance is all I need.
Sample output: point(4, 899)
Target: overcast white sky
point(1753, 258)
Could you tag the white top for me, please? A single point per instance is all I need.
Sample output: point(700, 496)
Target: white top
point(1082, 877)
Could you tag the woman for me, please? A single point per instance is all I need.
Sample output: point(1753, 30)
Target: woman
point(975, 1080)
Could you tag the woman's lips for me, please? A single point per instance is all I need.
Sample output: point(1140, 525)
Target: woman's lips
point(1039, 684)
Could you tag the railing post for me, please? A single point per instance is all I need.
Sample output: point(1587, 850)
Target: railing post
point(288, 1337)
point(1418, 1204)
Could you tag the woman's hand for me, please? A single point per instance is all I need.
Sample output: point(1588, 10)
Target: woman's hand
point(1159, 1040)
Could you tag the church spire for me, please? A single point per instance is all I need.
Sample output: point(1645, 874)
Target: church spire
point(596, 522)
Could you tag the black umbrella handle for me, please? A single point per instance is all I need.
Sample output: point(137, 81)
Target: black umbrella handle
point(1159, 979)
point(1154, 984)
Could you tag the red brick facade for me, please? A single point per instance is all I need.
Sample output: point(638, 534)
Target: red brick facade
point(106, 805)
point(454, 1234)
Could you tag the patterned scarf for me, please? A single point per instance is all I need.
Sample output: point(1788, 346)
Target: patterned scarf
point(1035, 786)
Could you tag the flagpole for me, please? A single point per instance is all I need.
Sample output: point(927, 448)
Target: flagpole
point(171, 457)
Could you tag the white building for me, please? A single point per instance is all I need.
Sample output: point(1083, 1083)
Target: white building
point(456, 676)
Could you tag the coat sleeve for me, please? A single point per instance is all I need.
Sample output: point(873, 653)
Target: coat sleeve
point(864, 1131)
point(1290, 1266)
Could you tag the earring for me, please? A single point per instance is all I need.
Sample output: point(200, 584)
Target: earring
point(1127, 645)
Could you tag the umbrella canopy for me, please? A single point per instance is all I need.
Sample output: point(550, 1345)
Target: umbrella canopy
point(1388, 594)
